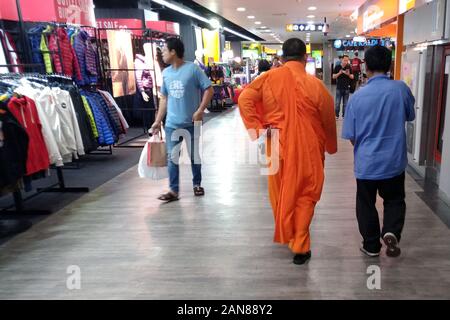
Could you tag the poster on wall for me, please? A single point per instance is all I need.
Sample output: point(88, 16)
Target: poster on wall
point(211, 41)
point(122, 63)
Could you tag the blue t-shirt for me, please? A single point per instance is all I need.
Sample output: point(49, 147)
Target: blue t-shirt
point(375, 120)
point(183, 88)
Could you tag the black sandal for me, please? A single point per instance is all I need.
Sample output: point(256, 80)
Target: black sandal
point(168, 197)
point(199, 191)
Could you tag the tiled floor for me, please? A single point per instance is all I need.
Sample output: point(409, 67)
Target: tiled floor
point(129, 246)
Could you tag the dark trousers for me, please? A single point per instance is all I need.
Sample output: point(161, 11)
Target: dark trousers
point(342, 95)
point(393, 193)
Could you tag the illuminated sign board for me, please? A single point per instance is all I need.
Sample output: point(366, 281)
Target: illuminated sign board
point(355, 45)
point(305, 27)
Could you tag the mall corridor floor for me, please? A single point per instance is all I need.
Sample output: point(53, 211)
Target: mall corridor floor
point(128, 245)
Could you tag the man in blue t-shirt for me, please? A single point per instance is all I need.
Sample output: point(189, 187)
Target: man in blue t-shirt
point(183, 102)
point(375, 124)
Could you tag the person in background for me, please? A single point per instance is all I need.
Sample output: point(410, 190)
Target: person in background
point(276, 63)
point(263, 67)
point(183, 83)
point(339, 62)
point(300, 107)
point(375, 125)
point(344, 77)
point(356, 69)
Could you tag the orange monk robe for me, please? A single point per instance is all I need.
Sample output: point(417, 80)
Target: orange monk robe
point(301, 107)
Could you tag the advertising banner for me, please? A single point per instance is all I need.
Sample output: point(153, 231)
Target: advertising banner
point(122, 62)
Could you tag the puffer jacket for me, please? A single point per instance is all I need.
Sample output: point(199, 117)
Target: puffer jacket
point(34, 36)
point(70, 64)
point(46, 52)
point(105, 133)
point(84, 51)
point(110, 114)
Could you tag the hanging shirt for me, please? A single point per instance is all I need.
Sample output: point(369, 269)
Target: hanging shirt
point(183, 87)
point(69, 120)
point(375, 122)
point(24, 110)
point(13, 149)
point(49, 137)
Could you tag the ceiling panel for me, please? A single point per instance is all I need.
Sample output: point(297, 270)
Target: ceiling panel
point(276, 14)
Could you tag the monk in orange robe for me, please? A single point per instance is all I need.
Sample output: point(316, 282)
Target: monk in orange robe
point(301, 108)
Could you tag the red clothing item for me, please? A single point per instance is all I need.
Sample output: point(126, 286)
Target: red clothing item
point(69, 65)
point(356, 65)
point(54, 49)
point(24, 110)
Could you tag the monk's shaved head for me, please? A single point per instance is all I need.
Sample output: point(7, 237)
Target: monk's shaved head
point(294, 49)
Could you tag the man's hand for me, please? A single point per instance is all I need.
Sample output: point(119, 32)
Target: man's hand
point(156, 128)
point(198, 116)
point(145, 97)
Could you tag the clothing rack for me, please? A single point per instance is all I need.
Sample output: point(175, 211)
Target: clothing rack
point(58, 187)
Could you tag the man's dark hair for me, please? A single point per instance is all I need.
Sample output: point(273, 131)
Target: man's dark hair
point(345, 56)
point(294, 49)
point(177, 45)
point(263, 66)
point(378, 59)
point(340, 57)
point(356, 54)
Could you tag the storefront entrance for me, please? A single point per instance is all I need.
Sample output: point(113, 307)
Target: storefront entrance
point(443, 128)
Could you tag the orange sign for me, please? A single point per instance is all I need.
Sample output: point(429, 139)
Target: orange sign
point(373, 13)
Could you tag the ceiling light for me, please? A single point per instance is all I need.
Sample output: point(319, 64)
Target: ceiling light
point(251, 17)
point(241, 9)
point(263, 27)
point(189, 13)
point(312, 8)
point(311, 16)
point(347, 36)
point(215, 23)
point(258, 22)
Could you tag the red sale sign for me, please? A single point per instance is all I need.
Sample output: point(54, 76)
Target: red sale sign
point(134, 25)
point(79, 12)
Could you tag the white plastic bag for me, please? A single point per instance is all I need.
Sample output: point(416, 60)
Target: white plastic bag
point(145, 171)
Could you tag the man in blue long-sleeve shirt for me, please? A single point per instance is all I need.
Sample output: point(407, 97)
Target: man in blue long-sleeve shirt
point(375, 124)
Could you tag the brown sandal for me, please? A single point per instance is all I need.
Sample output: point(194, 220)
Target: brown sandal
point(168, 197)
point(199, 191)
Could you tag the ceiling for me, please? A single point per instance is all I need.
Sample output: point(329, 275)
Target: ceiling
point(275, 14)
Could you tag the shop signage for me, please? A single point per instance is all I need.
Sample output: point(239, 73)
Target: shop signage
point(373, 13)
point(304, 27)
point(79, 12)
point(120, 24)
point(164, 26)
point(357, 45)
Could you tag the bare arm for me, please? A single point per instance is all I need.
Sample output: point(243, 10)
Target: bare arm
point(207, 96)
point(156, 127)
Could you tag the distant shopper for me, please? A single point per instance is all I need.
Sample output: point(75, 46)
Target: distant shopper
point(181, 90)
point(356, 70)
point(276, 63)
point(263, 66)
point(375, 124)
point(301, 107)
point(339, 61)
point(344, 77)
